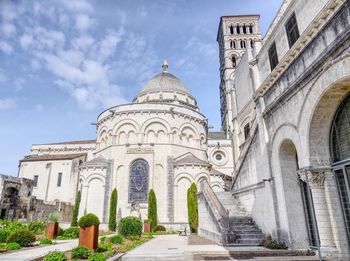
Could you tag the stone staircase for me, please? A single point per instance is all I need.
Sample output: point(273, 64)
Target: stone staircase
point(242, 229)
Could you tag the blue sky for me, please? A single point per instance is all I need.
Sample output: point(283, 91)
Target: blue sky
point(62, 62)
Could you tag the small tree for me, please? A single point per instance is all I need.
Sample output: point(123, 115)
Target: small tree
point(74, 221)
point(192, 206)
point(112, 224)
point(152, 208)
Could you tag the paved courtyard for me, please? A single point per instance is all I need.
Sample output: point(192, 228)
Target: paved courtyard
point(174, 247)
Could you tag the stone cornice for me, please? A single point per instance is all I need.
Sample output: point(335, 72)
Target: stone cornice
point(114, 114)
point(309, 34)
point(55, 150)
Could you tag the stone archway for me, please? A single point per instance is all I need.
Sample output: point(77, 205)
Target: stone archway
point(321, 171)
point(294, 233)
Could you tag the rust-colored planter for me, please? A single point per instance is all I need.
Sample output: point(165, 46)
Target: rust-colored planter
point(51, 230)
point(146, 227)
point(88, 237)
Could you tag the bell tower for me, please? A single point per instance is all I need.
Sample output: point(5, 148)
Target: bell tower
point(235, 35)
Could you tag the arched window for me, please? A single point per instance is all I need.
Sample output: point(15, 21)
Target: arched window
point(251, 44)
point(231, 29)
point(233, 44)
point(138, 182)
point(340, 135)
point(234, 61)
point(243, 44)
point(238, 29)
point(340, 150)
point(251, 28)
point(244, 29)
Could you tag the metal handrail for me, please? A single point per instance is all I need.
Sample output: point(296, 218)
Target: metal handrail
point(215, 203)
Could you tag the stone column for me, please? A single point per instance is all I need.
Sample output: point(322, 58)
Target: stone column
point(317, 185)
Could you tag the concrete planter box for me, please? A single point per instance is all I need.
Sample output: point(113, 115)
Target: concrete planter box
point(146, 227)
point(88, 237)
point(51, 230)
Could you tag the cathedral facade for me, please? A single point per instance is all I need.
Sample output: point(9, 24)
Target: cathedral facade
point(283, 154)
point(160, 141)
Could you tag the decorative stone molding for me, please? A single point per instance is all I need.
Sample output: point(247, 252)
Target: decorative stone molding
point(307, 36)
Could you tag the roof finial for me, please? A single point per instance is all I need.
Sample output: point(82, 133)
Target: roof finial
point(165, 65)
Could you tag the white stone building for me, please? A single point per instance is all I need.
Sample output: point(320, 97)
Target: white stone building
point(292, 162)
point(159, 141)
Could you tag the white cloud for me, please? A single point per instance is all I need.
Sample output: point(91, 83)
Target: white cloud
point(83, 22)
point(3, 77)
point(19, 84)
point(77, 5)
point(8, 29)
point(7, 103)
point(5, 47)
point(25, 40)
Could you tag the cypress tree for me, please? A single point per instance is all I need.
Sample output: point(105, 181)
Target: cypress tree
point(192, 207)
point(112, 224)
point(74, 222)
point(152, 208)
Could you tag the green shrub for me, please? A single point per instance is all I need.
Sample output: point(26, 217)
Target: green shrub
point(11, 225)
point(273, 244)
point(23, 237)
point(55, 256)
point(45, 241)
point(192, 207)
point(4, 233)
point(81, 252)
point(13, 246)
point(130, 226)
point(71, 232)
point(60, 231)
point(102, 248)
point(112, 224)
point(37, 227)
point(152, 208)
point(118, 239)
point(53, 218)
point(88, 220)
point(97, 257)
point(74, 221)
point(159, 228)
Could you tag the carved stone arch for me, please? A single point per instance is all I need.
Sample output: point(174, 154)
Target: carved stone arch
point(202, 176)
point(94, 176)
point(190, 126)
point(189, 134)
point(102, 130)
point(216, 187)
point(157, 120)
point(183, 175)
point(127, 122)
point(316, 114)
point(175, 136)
point(132, 137)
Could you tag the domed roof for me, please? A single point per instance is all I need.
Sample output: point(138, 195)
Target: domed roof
point(165, 81)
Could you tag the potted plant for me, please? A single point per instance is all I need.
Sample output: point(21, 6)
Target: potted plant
point(88, 234)
point(51, 230)
point(146, 226)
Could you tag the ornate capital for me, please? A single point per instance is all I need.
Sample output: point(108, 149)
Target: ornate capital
point(315, 178)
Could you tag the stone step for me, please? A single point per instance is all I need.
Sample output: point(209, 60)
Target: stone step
point(258, 236)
